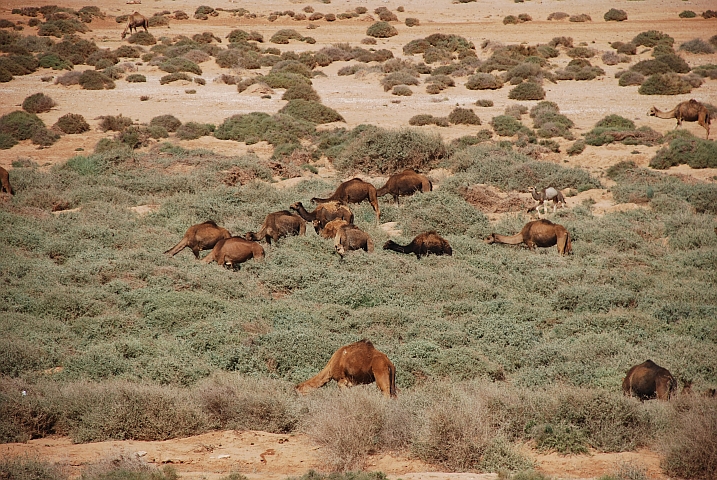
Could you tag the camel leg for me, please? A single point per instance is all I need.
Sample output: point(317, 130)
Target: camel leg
point(319, 380)
point(177, 248)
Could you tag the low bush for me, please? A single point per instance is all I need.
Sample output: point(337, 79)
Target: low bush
point(463, 116)
point(174, 77)
point(687, 14)
point(527, 91)
point(21, 125)
point(709, 14)
point(576, 148)
point(381, 30)
point(665, 84)
point(94, 80)
point(301, 91)
point(168, 122)
point(615, 15)
point(179, 64)
point(631, 78)
point(615, 128)
point(558, 16)
point(53, 61)
point(72, 123)
point(311, 111)
point(44, 137)
point(676, 63)
point(136, 78)
point(412, 22)
point(691, 446)
point(283, 36)
point(628, 48)
point(402, 91)
point(27, 468)
point(690, 150)
point(7, 141)
point(142, 38)
point(484, 102)
point(114, 123)
point(652, 38)
point(583, 17)
point(483, 81)
point(697, 46)
point(38, 103)
point(510, 20)
point(650, 67)
point(194, 130)
point(506, 125)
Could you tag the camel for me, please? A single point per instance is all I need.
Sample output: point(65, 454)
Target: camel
point(349, 237)
point(134, 21)
point(323, 214)
point(538, 233)
point(231, 252)
point(423, 244)
point(278, 224)
point(649, 380)
point(202, 236)
point(5, 181)
point(689, 111)
point(354, 191)
point(407, 182)
point(355, 364)
point(331, 228)
point(544, 196)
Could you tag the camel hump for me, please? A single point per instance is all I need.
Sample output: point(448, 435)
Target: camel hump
point(210, 222)
point(366, 341)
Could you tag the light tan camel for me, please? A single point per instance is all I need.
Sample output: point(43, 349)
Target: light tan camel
point(353, 191)
point(424, 244)
point(232, 252)
point(689, 111)
point(356, 364)
point(538, 233)
point(544, 196)
point(134, 21)
point(649, 380)
point(202, 236)
point(407, 182)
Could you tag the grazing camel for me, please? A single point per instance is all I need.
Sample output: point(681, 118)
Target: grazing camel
point(277, 225)
point(5, 181)
point(323, 214)
point(349, 237)
point(332, 228)
point(538, 233)
point(544, 196)
point(134, 21)
point(353, 191)
point(233, 251)
point(407, 182)
point(689, 111)
point(649, 380)
point(423, 244)
point(356, 364)
point(202, 236)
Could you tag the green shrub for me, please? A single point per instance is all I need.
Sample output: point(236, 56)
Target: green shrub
point(630, 78)
point(627, 48)
point(256, 126)
point(301, 91)
point(173, 77)
point(136, 78)
point(463, 116)
point(527, 91)
point(284, 80)
point(194, 130)
point(483, 81)
point(94, 80)
point(5, 75)
point(665, 84)
point(650, 67)
point(697, 46)
point(615, 15)
point(21, 125)
point(38, 103)
point(676, 63)
point(44, 137)
point(576, 148)
point(412, 22)
point(283, 36)
point(179, 64)
point(311, 111)
point(7, 141)
point(381, 30)
point(114, 123)
point(506, 125)
point(168, 122)
point(380, 151)
point(59, 28)
point(142, 38)
point(53, 61)
point(651, 38)
point(695, 152)
point(23, 468)
point(72, 123)
point(687, 14)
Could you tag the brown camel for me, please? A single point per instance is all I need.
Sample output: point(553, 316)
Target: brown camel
point(544, 196)
point(349, 237)
point(323, 214)
point(202, 236)
point(407, 182)
point(423, 244)
point(5, 181)
point(277, 225)
point(649, 380)
point(134, 21)
point(538, 233)
point(233, 251)
point(689, 111)
point(332, 228)
point(354, 191)
point(356, 364)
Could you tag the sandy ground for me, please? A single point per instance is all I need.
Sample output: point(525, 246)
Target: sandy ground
point(359, 100)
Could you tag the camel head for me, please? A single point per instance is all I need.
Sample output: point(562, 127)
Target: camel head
point(295, 206)
point(490, 239)
point(251, 236)
point(652, 112)
point(124, 34)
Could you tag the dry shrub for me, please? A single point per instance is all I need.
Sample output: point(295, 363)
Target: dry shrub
point(369, 423)
point(483, 81)
point(583, 17)
point(72, 123)
point(38, 103)
point(69, 78)
point(610, 58)
point(381, 30)
point(615, 15)
point(484, 102)
point(402, 90)
point(697, 46)
point(558, 16)
point(168, 122)
point(630, 78)
point(566, 42)
point(489, 200)
point(527, 91)
point(690, 441)
point(665, 84)
point(403, 77)
point(463, 116)
point(412, 22)
point(116, 124)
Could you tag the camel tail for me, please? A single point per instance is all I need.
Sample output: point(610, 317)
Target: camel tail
point(369, 245)
point(177, 248)
point(392, 379)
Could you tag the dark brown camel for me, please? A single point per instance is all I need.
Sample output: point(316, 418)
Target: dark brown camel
point(407, 182)
point(323, 214)
point(5, 181)
point(134, 21)
point(277, 225)
point(689, 111)
point(424, 244)
point(538, 233)
point(231, 252)
point(349, 237)
point(356, 364)
point(649, 380)
point(354, 191)
point(202, 236)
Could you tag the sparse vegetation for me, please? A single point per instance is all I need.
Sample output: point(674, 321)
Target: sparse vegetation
point(665, 84)
point(615, 15)
point(527, 91)
point(381, 30)
point(72, 123)
point(697, 46)
point(38, 103)
point(169, 122)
